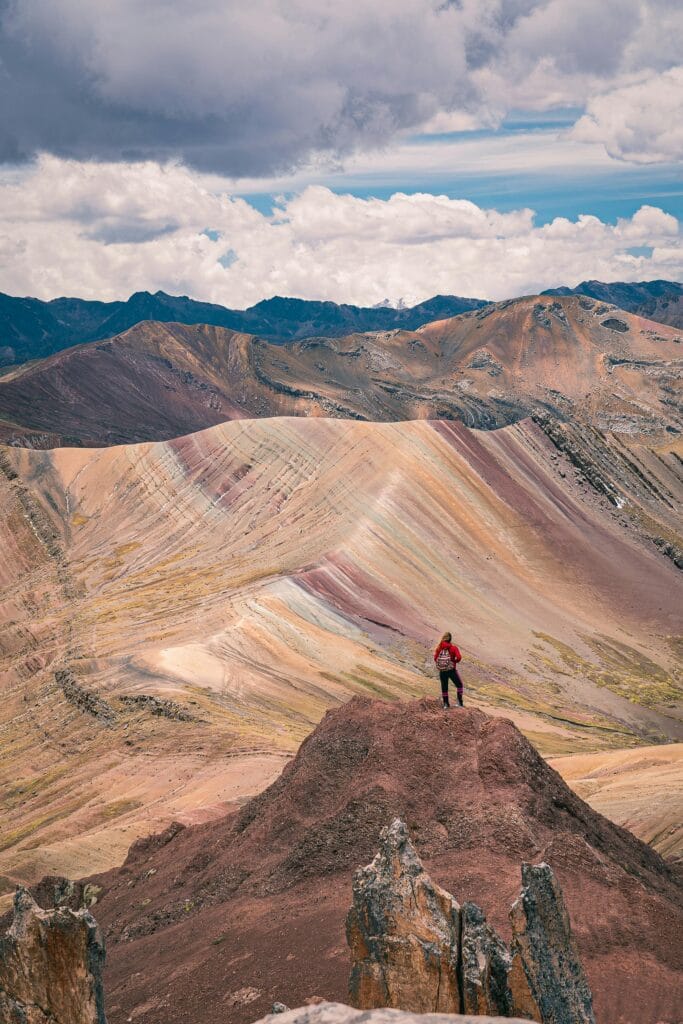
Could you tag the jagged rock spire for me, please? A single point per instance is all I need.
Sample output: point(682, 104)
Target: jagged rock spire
point(51, 966)
point(413, 948)
point(403, 931)
point(546, 977)
point(484, 966)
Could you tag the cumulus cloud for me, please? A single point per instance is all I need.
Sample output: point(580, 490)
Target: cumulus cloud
point(102, 231)
point(642, 123)
point(256, 88)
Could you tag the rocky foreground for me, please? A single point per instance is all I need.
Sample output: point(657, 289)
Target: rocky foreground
point(413, 947)
point(225, 919)
point(51, 966)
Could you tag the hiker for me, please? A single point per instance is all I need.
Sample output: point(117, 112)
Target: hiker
point(446, 657)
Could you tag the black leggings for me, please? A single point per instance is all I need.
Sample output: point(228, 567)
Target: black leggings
point(452, 675)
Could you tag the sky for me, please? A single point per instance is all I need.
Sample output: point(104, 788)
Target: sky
point(346, 151)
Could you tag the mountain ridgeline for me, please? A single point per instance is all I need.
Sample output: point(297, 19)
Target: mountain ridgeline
point(32, 329)
point(569, 357)
point(656, 300)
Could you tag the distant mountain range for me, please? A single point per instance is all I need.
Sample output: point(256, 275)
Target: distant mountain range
point(33, 329)
point(655, 300)
point(570, 356)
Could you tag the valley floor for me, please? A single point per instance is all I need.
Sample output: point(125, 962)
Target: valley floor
point(640, 788)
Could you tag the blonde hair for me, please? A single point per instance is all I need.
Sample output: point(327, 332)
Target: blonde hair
point(446, 638)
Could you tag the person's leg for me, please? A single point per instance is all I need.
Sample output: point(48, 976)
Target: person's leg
point(443, 676)
point(453, 678)
point(458, 685)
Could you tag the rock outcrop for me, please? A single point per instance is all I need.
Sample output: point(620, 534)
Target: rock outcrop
point(403, 931)
point(50, 966)
point(485, 963)
point(546, 977)
point(337, 1013)
point(413, 948)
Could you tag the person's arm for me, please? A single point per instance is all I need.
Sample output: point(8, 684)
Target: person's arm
point(436, 653)
point(455, 654)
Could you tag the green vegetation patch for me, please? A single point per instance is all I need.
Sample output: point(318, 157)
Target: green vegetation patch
point(116, 808)
point(621, 668)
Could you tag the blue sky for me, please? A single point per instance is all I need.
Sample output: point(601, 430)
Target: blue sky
point(601, 186)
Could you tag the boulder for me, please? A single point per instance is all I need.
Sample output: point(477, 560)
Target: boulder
point(403, 931)
point(51, 966)
point(547, 980)
point(337, 1013)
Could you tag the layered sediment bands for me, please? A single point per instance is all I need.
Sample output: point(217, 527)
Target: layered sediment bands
point(211, 596)
point(570, 356)
point(639, 789)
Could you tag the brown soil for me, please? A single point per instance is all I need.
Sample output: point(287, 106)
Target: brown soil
point(212, 923)
point(641, 789)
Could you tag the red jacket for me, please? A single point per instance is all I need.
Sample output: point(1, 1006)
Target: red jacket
point(452, 650)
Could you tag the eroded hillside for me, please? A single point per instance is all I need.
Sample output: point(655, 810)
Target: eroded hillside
point(254, 904)
point(175, 608)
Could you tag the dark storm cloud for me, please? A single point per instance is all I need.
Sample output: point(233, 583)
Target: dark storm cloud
point(249, 89)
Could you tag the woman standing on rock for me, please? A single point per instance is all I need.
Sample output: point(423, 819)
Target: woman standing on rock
point(446, 657)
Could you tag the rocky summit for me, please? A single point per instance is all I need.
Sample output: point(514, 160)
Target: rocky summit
point(254, 904)
point(414, 948)
point(51, 966)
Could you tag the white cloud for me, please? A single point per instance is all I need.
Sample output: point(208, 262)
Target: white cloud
point(642, 122)
point(258, 88)
point(105, 230)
